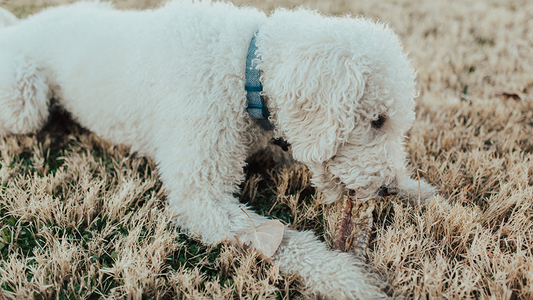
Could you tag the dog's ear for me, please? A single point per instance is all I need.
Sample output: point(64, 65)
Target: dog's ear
point(316, 94)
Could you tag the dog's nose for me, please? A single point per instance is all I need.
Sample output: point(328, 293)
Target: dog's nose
point(388, 190)
point(393, 190)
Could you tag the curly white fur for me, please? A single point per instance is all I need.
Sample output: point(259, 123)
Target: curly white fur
point(170, 84)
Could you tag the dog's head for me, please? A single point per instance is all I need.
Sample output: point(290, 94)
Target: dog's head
point(341, 91)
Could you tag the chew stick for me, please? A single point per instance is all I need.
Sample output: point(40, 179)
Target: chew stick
point(355, 227)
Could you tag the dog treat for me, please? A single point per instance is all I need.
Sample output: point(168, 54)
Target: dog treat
point(355, 227)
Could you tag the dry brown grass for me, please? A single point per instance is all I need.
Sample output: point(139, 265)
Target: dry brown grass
point(82, 217)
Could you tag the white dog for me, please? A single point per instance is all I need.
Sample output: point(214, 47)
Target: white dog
point(170, 83)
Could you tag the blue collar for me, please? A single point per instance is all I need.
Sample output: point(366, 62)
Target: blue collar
point(256, 107)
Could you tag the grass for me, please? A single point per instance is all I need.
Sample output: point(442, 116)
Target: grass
point(81, 218)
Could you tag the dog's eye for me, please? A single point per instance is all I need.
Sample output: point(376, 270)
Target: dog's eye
point(377, 124)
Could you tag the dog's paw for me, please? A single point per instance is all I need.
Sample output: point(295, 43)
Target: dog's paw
point(411, 192)
point(23, 94)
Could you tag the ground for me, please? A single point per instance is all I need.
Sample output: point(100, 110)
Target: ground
point(80, 217)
